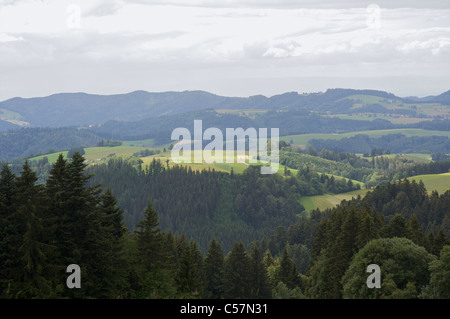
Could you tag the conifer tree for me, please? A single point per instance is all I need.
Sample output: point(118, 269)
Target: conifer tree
point(237, 273)
point(397, 227)
point(415, 232)
point(214, 272)
point(150, 239)
point(288, 273)
point(259, 279)
point(7, 227)
point(31, 252)
point(110, 264)
point(188, 277)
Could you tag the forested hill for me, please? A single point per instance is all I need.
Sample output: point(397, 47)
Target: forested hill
point(202, 204)
point(45, 227)
point(74, 109)
point(27, 142)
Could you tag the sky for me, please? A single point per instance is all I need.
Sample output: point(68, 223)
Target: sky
point(226, 47)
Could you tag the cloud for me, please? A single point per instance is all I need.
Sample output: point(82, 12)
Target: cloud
point(9, 38)
point(288, 4)
point(105, 8)
point(217, 44)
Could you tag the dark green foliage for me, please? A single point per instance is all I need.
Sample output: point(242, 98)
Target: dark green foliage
point(188, 277)
point(288, 271)
point(109, 143)
point(203, 204)
point(439, 286)
point(259, 279)
point(44, 227)
point(392, 143)
point(395, 256)
point(75, 149)
point(213, 280)
point(150, 239)
point(29, 142)
point(237, 273)
point(49, 226)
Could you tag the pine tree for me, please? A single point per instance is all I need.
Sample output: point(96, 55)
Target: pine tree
point(259, 279)
point(7, 228)
point(268, 259)
point(150, 239)
point(439, 242)
point(397, 227)
point(237, 273)
point(110, 263)
point(415, 232)
point(30, 280)
point(188, 277)
point(81, 235)
point(213, 275)
point(288, 273)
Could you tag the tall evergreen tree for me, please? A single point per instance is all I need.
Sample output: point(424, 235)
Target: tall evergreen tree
point(259, 279)
point(188, 277)
point(31, 252)
point(213, 273)
point(415, 232)
point(237, 273)
point(7, 227)
point(150, 239)
point(110, 264)
point(288, 273)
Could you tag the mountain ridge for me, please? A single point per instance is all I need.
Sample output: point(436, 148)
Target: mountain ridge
point(84, 109)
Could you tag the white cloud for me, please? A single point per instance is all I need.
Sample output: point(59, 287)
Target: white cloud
point(202, 42)
point(9, 38)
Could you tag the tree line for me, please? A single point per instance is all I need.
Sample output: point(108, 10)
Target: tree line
point(46, 227)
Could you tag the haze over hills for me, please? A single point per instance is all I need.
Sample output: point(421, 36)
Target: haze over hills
point(82, 109)
point(33, 126)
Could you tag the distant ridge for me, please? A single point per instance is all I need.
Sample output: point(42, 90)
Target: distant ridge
point(83, 109)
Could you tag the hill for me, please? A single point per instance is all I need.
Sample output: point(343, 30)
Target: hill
point(27, 142)
point(74, 109)
point(434, 182)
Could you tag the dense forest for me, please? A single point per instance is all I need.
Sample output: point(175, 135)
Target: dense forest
point(71, 220)
point(29, 142)
point(209, 203)
point(395, 143)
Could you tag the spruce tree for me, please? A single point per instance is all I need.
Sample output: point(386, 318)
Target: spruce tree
point(288, 273)
point(30, 251)
point(213, 273)
point(397, 227)
point(237, 273)
point(7, 228)
point(150, 238)
point(415, 232)
point(259, 279)
point(110, 264)
point(188, 277)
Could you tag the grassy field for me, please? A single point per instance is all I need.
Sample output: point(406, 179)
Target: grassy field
point(12, 117)
point(329, 200)
point(100, 154)
point(437, 182)
point(96, 153)
point(303, 139)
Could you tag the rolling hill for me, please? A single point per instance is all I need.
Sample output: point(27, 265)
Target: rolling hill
point(75, 109)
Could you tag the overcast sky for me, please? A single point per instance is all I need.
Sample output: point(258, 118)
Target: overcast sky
point(227, 47)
